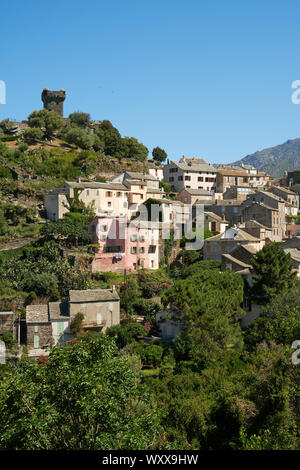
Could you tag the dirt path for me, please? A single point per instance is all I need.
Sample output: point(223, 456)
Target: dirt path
point(13, 244)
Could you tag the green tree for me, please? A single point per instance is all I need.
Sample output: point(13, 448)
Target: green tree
point(32, 134)
point(84, 397)
point(80, 137)
point(76, 324)
point(159, 155)
point(49, 120)
point(273, 272)
point(80, 119)
point(136, 150)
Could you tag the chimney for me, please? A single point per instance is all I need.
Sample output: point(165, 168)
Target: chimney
point(113, 288)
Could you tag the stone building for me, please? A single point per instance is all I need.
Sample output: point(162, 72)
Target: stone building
point(7, 321)
point(54, 100)
point(214, 223)
point(230, 209)
point(190, 196)
point(227, 242)
point(49, 324)
point(228, 178)
point(288, 195)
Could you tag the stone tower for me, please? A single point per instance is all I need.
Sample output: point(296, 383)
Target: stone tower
point(54, 100)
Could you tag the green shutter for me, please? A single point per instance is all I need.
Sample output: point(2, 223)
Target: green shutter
point(36, 340)
point(60, 328)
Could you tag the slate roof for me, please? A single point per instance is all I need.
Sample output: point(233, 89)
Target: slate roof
point(95, 185)
point(37, 314)
point(197, 192)
point(233, 234)
point(216, 217)
point(93, 295)
point(58, 310)
point(194, 165)
point(136, 175)
point(236, 260)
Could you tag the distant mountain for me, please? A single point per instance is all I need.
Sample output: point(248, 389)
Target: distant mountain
point(275, 160)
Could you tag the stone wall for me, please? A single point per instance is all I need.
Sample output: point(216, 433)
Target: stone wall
point(44, 333)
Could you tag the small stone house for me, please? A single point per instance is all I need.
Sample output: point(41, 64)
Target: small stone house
point(49, 325)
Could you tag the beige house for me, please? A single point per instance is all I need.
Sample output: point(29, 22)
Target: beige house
point(228, 178)
point(49, 324)
point(106, 198)
point(190, 173)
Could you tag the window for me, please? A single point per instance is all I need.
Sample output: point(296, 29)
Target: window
point(187, 178)
point(134, 266)
point(180, 178)
point(119, 194)
point(133, 250)
point(142, 249)
point(133, 237)
point(109, 204)
point(200, 187)
point(152, 263)
point(188, 187)
point(36, 328)
point(99, 319)
point(152, 249)
point(103, 228)
point(108, 194)
point(200, 178)
point(142, 238)
point(171, 179)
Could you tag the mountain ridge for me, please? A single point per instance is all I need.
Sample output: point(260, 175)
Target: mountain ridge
point(275, 160)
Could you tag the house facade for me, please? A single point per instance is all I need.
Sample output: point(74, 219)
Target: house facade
point(190, 173)
point(123, 245)
point(49, 325)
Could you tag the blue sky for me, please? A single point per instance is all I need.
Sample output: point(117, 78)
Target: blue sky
point(199, 78)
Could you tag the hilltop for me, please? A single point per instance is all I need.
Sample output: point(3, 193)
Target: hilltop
point(275, 160)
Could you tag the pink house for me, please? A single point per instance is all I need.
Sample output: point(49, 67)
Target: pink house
point(123, 245)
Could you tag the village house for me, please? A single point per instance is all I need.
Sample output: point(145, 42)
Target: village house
point(215, 223)
point(190, 173)
point(230, 209)
point(227, 178)
point(7, 323)
point(226, 242)
point(191, 196)
point(269, 210)
point(238, 192)
point(157, 172)
point(104, 197)
point(257, 179)
point(49, 324)
point(124, 245)
point(284, 193)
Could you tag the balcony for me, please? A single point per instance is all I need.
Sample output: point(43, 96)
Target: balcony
point(93, 326)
